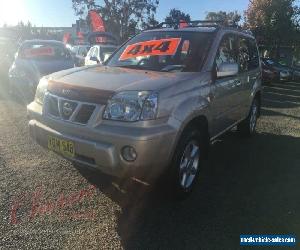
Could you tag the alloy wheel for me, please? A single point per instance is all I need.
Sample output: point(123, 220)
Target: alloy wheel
point(189, 164)
point(253, 117)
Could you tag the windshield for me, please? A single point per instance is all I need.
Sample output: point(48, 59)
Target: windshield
point(164, 51)
point(43, 51)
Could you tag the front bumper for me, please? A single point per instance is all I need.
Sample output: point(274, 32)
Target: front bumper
point(285, 76)
point(100, 147)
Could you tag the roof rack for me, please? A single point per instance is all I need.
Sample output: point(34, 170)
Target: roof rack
point(196, 23)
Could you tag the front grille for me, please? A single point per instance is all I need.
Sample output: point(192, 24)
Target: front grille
point(85, 113)
point(69, 110)
point(53, 106)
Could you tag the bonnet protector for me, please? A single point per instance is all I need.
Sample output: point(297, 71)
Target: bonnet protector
point(79, 93)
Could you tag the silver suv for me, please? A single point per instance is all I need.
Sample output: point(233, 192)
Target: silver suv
point(155, 105)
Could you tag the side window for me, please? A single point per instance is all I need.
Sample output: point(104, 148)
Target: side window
point(96, 52)
point(254, 56)
point(227, 51)
point(75, 50)
point(244, 54)
point(81, 51)
point(84, 51)
point(90, 53)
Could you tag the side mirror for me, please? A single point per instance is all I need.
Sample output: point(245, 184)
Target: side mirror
point(227, 69)
point(94, 59)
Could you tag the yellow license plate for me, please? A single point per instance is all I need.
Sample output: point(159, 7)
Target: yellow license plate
point(66, 148)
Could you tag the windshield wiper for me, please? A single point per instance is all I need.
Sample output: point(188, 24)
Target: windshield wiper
point(132, 67)
point(173, 67)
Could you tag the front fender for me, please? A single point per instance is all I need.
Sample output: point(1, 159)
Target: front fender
point(191, 108)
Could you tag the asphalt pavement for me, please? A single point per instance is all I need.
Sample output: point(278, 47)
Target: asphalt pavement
point(248, 186)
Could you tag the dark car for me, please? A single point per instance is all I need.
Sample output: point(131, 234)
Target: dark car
point(35, 59)
point(269, 74)
point(7, 51)
point(296, 71)
point(284, 72)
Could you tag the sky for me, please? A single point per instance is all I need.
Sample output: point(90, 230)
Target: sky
point(59, 13)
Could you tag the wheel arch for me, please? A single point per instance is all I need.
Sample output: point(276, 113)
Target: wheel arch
point(201, 122)
point(258, 97)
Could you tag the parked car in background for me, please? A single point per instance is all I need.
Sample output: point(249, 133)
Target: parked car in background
point(269, 74)
point(35, 59)
point(98, 54)
point(296, 71)
point(8, 49)
point(155, 106)
point(79, 53)
point(296, 74)
point(284, 72)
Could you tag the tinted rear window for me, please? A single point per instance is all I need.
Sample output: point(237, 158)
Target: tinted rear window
point(43, 51)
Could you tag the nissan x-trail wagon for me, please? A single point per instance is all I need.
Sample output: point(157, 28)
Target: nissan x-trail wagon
point(156, 104)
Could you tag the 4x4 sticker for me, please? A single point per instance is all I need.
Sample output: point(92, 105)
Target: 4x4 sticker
point(162, 47)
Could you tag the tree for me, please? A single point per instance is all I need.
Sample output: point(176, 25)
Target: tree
point(224, 16)
point(175, 16)
point(24, 30)
point(150, 22)
point(122, 17)
point(274, 22)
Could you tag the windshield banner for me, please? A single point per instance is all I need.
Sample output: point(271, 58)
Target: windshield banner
point(162, 47)
point(43, 51)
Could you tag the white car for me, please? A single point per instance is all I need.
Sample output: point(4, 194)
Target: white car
point(99, 54)
point(79, 53)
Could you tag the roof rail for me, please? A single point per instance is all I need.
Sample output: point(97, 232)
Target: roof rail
point(196, 23)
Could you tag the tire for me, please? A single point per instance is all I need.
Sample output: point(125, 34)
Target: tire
point(247, 127)
point(187, 162)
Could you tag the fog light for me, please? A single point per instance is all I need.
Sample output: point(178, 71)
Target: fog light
point(129, 153)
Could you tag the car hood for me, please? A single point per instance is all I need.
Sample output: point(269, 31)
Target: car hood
point(117, 79)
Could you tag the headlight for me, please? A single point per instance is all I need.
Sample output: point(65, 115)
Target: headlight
point(132, 106)
point(41, 91)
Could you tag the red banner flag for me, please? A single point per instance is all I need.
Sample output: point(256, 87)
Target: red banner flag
point(67, 37)
point(97, 23)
